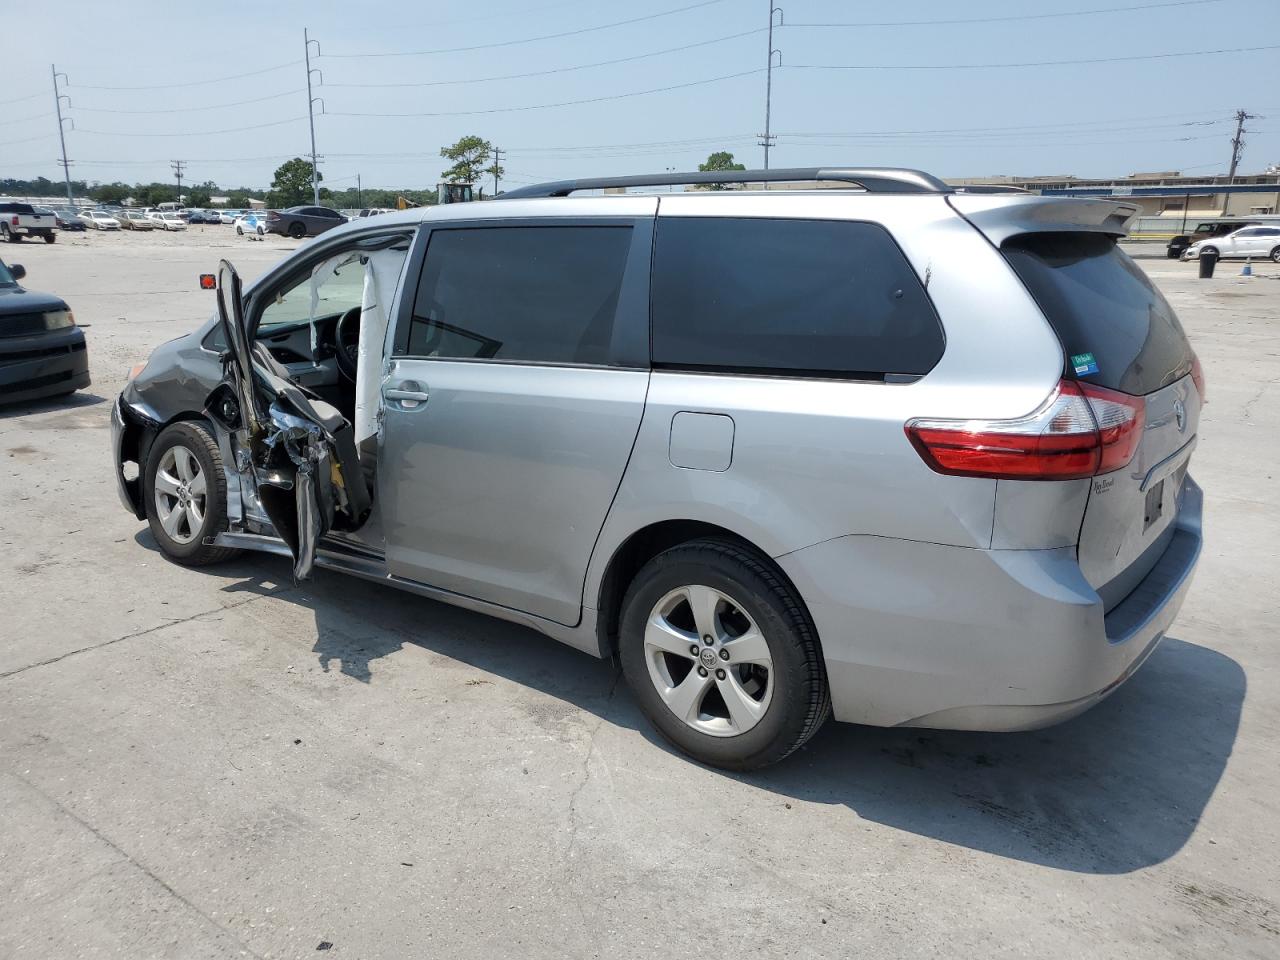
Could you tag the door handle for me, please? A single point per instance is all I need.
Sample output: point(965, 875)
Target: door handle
point(408, 395)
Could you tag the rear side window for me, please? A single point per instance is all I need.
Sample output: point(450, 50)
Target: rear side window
point(540, 294)
point(1116, 328)
point(792, 297)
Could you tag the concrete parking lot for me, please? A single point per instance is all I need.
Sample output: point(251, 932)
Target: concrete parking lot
point(217, 763)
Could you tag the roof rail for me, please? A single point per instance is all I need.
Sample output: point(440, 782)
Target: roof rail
point(871, 179)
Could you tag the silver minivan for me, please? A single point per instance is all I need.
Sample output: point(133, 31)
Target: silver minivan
point(887, 450)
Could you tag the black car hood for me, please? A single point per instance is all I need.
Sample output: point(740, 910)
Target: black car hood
point(17, 300)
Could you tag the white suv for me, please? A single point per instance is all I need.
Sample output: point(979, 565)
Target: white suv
point(1257, 241)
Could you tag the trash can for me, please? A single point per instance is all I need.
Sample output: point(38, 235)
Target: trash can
point(1208, 260)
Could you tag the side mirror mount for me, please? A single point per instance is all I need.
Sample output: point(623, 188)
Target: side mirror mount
point(18, 270)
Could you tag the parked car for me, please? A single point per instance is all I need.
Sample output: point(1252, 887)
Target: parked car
point(201, 217)
point(299, 222)
point(167, 220)
point(136, 220)
point(253, 223)
point(42, 351)
point(1205, 230)
point(902, 453)
point(64, 219)
point(229, 216)
point(97, 220)
point(21, 220)
point(1256, 241)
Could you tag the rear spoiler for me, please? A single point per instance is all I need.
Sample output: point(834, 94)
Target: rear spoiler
point(1001, 216)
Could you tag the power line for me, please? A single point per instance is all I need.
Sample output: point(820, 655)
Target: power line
point(194, 83)
point(545, 36)
point(211, 106)
point(1016, 127)
point(544, 73)
point(190, 133)
point(1036, 63)
point(1005, 19)
point(545, 106)
point(9, 143)
point(34, 116)
point(30, 96)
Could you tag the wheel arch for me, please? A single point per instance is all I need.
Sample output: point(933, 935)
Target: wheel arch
point(138, 434)
point(643, 545)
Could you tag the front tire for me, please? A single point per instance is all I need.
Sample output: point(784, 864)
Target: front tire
point(722, 656)
point(1275, 255)
point(185, 493)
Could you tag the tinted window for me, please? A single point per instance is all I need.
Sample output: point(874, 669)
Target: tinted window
point(545, 294)
point(1101, 303)
point(791, 296)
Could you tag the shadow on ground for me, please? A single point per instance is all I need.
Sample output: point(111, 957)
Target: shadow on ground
point(24, 408)
point(1118, 789)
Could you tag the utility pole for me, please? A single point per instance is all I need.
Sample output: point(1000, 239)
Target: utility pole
point(497, 156)
point(311, 114)
point(359, 192)
point(767, 138)
point(62, 137)
point(177, 172)
point(1237, 142)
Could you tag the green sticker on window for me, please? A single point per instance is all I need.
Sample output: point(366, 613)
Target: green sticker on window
point(1084, 364)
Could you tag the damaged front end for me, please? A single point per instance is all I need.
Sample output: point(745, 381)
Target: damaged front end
point(297, 473)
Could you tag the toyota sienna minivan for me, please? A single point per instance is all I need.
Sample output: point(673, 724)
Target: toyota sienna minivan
point(889, 451)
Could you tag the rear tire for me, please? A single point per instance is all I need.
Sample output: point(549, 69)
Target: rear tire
point(297, 231)
point(757, 702)
point(184, 452)
point(50, 238)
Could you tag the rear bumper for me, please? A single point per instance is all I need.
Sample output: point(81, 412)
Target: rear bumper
point(43, 365)
point(919, 634)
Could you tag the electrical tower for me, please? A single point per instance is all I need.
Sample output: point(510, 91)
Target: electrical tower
point(177, 166)
point(1237, 142)
point(767, 138)
point(58, 97)
point(311, 114)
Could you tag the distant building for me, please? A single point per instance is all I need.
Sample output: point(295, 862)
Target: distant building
point(219, 201)
point(1164, 194)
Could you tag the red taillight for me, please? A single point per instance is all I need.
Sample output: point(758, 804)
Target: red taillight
point(1197, 377)
point(1080, 431)
point(272, 215)
point(14, 221)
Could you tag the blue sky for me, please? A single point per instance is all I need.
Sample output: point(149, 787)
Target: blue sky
point(844, 94)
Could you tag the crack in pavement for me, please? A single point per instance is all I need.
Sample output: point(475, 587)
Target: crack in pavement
point(68, 812)
point(141, 633)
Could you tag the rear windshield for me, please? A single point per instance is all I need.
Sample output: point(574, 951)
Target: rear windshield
point(1116, 329)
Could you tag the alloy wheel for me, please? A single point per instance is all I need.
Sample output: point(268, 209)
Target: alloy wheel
point(180, 494)
point(708, 661)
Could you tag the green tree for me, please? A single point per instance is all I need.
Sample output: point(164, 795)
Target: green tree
point(469, 155)
point(721, 160)
point(111, 192)
point(197, 197)
point(291, 185)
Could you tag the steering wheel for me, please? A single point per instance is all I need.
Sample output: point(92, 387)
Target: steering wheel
point(346, 336)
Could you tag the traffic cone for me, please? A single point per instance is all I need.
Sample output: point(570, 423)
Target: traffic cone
point(1248, 267)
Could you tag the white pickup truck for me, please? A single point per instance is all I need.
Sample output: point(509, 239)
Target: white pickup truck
point(18, 220)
